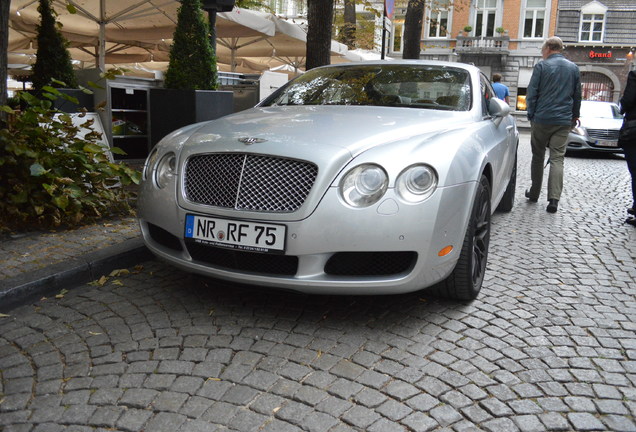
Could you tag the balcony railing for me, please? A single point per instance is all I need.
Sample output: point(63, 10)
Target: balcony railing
point(482, 44)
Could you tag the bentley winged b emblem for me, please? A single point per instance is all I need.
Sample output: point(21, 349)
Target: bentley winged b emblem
point(251, 140)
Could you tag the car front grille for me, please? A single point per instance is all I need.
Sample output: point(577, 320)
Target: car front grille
point(343, 264)
point(280, 265)
point(248, 182)
point(603, 134)
point(370, 263)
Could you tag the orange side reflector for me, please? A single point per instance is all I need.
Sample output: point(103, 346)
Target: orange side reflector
point(445, 251)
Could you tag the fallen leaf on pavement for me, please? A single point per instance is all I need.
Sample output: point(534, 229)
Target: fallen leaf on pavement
point(61, 294)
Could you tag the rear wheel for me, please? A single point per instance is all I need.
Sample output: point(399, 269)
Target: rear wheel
point(464, 283)
point(508, 200)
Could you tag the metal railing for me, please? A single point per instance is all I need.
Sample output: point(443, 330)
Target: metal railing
point(494, 44)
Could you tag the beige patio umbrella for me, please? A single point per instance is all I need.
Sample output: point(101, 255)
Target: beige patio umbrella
point(112, 32)
point(104, 31)
point(287, 46)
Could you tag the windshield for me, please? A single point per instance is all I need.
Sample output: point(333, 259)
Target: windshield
point(416, 86)
point(600, 110)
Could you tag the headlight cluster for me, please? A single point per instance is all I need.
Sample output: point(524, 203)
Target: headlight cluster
point(365, 184)
point(579, 130)
point(161, 171)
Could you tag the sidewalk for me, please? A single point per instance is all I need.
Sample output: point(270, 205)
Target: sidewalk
point(37, 264)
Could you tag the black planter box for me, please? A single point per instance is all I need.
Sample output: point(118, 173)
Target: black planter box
point(171, 109)
point(84, 100)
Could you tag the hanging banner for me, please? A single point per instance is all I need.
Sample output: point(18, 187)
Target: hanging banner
point(389, 8)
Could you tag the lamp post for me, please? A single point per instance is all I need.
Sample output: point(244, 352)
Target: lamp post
point(212, 7)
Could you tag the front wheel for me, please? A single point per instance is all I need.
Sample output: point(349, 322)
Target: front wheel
point(464, 283)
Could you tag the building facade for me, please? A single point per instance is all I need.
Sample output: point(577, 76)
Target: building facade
point(505, 36)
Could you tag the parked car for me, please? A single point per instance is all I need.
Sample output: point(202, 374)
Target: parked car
point(600, 123)
point(361, 178)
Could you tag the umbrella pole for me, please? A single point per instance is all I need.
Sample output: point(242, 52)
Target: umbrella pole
point(102, 35)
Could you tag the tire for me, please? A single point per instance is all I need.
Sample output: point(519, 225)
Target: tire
point(508, 200)
point(464, 283)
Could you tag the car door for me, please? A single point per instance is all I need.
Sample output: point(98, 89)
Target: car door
point(501, 150)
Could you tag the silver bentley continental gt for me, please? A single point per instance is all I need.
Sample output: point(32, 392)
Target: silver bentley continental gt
point(361, 178)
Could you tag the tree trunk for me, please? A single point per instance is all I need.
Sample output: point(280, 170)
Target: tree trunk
point(349, 27)
point(4, 46)
point(320, 20)
point(413, 29)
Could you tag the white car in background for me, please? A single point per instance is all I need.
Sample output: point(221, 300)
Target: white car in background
point(600, 123)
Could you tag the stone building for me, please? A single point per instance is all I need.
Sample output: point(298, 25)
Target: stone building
point(506, 37)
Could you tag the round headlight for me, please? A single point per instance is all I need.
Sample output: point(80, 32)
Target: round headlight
point(166, 170)
point(416, 183)
point(579, 130)
point(364, 185)
point(151, 160)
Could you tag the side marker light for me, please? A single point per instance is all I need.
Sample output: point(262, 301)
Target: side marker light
point(445, 251)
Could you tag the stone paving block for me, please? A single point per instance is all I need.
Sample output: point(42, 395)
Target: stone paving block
point(134, 419)
point(165, 422)
point(393, 410)
point(246, 420)
point(360, 417)
point(585, 422)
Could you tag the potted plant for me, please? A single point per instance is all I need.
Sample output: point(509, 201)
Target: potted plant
point(500, 30)
point(53, 65)
point(191, 79)
point(467, 29)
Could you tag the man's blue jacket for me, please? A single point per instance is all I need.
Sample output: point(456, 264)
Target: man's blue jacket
point(554, 92)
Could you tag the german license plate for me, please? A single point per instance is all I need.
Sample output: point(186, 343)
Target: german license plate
point(236, 234)
point(604, 143)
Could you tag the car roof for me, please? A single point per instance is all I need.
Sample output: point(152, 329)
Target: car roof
point(408, 62)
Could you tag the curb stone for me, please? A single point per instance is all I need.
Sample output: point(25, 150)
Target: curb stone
point(29, 286)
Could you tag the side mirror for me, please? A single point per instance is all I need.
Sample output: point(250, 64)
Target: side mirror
point(498, 109)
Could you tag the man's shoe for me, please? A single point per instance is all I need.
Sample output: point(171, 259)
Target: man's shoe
point(553, 205)
point(530, 198)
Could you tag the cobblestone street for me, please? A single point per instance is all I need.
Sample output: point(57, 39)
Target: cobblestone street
point(550, 343)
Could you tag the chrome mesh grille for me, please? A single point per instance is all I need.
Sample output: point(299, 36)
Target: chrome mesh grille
point(603, 134)
point(248, 182)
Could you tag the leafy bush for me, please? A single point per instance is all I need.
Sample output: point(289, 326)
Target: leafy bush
point(53, 60)
point(51, 175)
point(192, 63)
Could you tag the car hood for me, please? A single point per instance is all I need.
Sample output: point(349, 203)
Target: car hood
point(307, 131)
point(328, 136)
point(601, 123)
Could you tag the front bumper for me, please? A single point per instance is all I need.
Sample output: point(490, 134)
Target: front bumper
point(333, 236)
point(582, 144)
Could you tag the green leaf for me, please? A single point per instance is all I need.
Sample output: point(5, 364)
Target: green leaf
point(117, 150)
point(95, 85)
point(49, 188)
point(86, 90)
point(51, 90)
point(93, 148)
point(71, 8)
point(37, 170)
point(61, 201)
point(7, 109)
point(58, 82)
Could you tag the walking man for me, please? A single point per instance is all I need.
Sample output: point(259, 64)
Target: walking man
point(501, 90)
point(553, 101)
